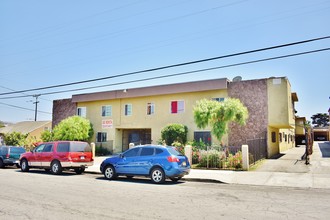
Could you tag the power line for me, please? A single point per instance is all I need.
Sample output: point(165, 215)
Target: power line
point(19, 107)
point(172, 66)
point(182, 73)
point(23, 93)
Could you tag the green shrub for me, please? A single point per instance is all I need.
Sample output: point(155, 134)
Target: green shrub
point(234, 161)
point(15, 139)
point(47, 136)
point(179, 147)
point(174, 133)
point(210, 159)
point(101, 151)
point(74, 128)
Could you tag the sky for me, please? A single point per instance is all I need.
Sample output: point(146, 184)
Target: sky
point(46, 43)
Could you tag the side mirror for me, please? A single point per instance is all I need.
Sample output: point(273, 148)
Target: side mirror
point(121, 155)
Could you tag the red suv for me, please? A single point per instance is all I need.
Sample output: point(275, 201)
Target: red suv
point(57, 156)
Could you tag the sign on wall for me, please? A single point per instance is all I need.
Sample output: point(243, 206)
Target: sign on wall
point(107, 123)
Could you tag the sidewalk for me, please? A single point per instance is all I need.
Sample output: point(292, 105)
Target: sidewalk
point(288, 170)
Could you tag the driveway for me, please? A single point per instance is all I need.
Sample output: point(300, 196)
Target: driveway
point(290, 160)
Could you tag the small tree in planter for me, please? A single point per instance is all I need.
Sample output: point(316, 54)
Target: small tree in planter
point(219, 114)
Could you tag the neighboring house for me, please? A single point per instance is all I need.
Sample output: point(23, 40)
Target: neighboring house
point(321, 133)
point(138, 115)
point(33, 128)
point(300, 130)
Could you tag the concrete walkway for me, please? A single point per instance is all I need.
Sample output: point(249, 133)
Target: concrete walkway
point(288, 170)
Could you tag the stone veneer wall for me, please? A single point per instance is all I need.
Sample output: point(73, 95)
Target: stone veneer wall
point(253, 94)
point(62, 109)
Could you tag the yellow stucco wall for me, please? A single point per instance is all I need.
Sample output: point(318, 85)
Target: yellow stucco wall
point(288, 139)
point(37, 132)
point(300, 130)
point(139, 118)
point(280, 111)
point(284, 140)
point(281, 118)
point(273, 147)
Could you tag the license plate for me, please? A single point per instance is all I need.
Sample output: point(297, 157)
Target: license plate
point(82, 157)
point(184, 163)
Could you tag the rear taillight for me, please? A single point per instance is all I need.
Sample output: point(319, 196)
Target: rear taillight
point(173, 159)
point(7, 156)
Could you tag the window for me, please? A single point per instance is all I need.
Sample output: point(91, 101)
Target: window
point(132, 153)
point(106, 110)
point(203, 136)
point(280, 134)
point(273, 136)
point(177, 107)
point(48, 148)
point(40, 148)
point(147, 152)
point(218, 99)
point(81, 111)
point(80, 147)
point(101, 137)
point(150, 108)
point(159, 151)
point(63, 147)
point(128, 109)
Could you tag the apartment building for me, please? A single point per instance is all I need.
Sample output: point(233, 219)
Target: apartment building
point(138, 115)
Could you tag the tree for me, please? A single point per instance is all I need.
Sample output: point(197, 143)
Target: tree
point(219, 114)
point(74, 128)
point(174, 133)
point(2, 124)
point(47, 136)
point(320, 120)
point(15, 139)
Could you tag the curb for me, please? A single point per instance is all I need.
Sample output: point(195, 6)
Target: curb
point(203, 180)
point(185, 179)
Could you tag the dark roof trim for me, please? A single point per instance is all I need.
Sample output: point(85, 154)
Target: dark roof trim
point(214, 84)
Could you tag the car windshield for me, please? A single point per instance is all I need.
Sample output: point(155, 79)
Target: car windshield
point(173, 151)
point(80, 147)
point(17, 150)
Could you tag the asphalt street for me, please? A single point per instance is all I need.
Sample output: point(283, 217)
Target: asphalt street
point(40, 195)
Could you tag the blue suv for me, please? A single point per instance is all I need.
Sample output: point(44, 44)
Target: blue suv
point(156, 162)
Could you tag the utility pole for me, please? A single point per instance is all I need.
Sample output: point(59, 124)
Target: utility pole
point(36, 108)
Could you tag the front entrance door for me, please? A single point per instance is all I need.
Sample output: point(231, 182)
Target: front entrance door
point(136, 136)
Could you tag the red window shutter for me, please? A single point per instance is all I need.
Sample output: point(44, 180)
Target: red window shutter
point(174, 107)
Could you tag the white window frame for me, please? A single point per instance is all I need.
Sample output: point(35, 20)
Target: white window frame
point(107, 110)
point(180, 106)
point(128, 111)
point(152, 108)
point(82, 112)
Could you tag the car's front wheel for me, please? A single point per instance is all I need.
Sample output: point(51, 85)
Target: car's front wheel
point(157, 175)
point(56, 167)
point(24, 165)
point(109, 172)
